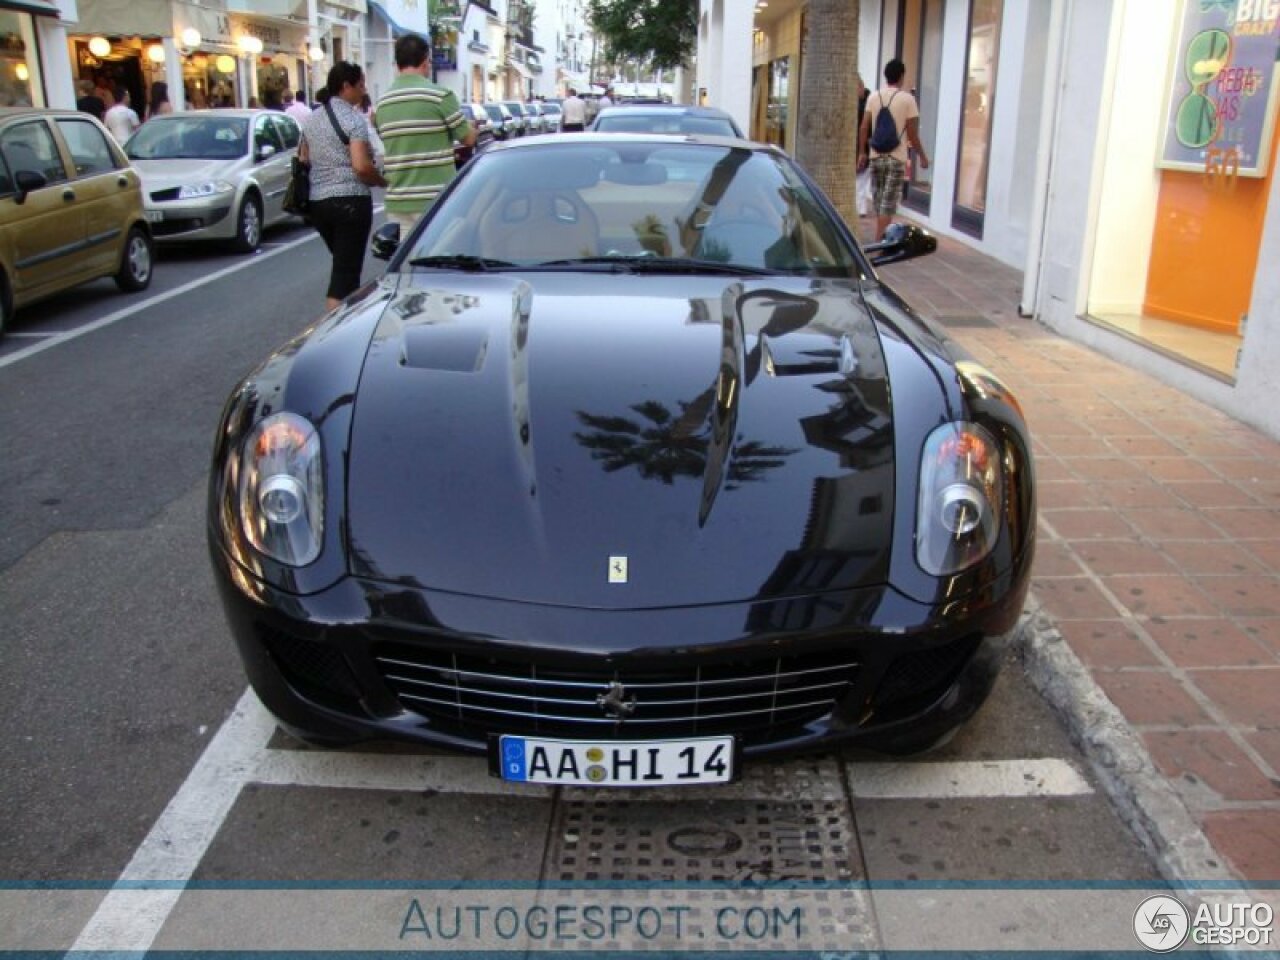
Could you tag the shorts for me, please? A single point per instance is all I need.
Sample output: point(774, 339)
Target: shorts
point(888, 174)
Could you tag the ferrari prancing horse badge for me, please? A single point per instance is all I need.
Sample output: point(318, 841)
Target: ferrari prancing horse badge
point(617, 569)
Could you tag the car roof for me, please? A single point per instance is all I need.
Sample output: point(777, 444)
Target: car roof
point(9, 113)
point(692, 110)
point(657, 139)
point(222, 112)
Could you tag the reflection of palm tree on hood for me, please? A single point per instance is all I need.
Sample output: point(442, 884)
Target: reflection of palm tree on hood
point(662, 445)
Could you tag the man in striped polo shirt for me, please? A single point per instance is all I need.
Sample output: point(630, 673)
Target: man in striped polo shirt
point(418, 122)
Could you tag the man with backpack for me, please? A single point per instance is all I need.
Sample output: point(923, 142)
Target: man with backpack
point(891, 121)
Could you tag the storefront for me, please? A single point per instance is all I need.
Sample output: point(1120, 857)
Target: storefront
point(1162, 194)
point(33, 59)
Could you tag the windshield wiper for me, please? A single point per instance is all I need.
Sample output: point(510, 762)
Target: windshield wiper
point(460, 261)
point(642, 264)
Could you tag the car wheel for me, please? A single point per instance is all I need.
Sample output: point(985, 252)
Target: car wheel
point(135, 267)
point(249, 225)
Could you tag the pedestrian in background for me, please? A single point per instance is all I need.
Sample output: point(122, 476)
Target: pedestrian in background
point(892, 119)
point(418, 121)
point(121, 119)
point(295, 105)
point(335, 142)
point(573, 113)
point(88, 101)
point(159, 103)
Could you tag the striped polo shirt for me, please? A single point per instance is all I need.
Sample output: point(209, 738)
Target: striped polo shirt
point(418, 122)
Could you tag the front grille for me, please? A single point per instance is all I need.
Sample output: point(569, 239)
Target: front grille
point(757, 699)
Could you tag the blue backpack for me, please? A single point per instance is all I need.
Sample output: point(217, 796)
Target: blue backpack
point(884, 136)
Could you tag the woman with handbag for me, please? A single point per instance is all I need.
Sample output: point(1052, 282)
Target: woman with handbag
point(335, 143)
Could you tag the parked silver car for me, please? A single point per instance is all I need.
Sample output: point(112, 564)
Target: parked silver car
point(215, 174)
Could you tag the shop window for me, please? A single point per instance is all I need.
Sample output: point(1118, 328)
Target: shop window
point(775, 127)
point(925, 23)
point(15, 71)
point(975, 129)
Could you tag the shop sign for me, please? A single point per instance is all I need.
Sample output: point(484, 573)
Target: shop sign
point(1222, 93)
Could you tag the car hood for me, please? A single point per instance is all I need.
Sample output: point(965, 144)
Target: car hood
point(163, 174)
point(622, 441)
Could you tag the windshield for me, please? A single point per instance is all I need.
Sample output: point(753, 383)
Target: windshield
point(189, 137)
point(673, 204)
point(493, 112)
point(667, 121)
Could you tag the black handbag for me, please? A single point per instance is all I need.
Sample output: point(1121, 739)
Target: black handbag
point(297, 196)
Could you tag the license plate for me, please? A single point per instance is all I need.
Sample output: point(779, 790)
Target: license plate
point(155, 216)
point(616, 763)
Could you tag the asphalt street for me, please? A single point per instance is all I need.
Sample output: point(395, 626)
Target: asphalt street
point(133, 753)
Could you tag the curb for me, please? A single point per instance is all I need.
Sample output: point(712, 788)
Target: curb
point(1143, 797)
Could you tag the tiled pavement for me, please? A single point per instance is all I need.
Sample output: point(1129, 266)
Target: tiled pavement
point(1158, 553)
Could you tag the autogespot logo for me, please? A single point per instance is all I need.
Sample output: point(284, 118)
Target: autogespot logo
point(1161, 924)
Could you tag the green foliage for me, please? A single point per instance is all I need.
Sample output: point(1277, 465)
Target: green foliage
point(660, 32)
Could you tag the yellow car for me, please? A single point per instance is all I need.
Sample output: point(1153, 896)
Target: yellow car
point(70, 208)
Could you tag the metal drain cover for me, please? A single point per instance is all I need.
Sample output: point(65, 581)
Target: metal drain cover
point(754, 875)
point(731, 841)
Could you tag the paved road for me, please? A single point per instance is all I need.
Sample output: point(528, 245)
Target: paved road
point(134, 753)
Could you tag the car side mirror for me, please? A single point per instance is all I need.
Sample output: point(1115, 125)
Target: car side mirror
point(901, 241)
point(386, 241)
point(25, 181)
point(264, 151)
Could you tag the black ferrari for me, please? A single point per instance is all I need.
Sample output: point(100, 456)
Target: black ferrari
point(628, 468)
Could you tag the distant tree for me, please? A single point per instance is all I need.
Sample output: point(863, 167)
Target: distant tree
point(661, 32)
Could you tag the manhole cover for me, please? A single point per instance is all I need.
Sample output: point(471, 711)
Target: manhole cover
point(730, 841)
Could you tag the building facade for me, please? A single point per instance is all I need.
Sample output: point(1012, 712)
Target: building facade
point(1120, 152)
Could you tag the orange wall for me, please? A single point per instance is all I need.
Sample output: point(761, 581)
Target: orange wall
point(1204, 253)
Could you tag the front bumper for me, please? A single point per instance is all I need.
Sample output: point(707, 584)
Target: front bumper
point(192, 221)
point(371, 660)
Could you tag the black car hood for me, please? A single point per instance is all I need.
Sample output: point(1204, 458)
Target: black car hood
point(517, 435)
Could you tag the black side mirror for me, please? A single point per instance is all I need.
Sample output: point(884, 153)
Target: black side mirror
point(386, 241)
point(901, 241)
point(25, 181)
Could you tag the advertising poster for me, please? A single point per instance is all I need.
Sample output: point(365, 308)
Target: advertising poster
point(1222, 88)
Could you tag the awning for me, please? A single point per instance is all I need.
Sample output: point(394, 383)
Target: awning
point(127, 18)
point(41, 8)
point(398, 17)
point(520, 68)
point(576, 80)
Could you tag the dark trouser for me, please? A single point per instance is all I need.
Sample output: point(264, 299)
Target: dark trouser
point(343, 224)
point(571, 127)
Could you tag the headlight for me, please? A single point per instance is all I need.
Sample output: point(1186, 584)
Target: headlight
point(961, 498)
point(194, 191)
point(282, 489)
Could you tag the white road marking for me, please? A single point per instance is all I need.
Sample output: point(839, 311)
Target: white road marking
point(136, 307)
point(1048, 777)
point(922, 780)
point(130, 918)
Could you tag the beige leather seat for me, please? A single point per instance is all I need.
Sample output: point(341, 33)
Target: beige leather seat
point(540, 225)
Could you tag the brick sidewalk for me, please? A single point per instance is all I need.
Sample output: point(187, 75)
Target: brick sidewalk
point(1158, 553)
